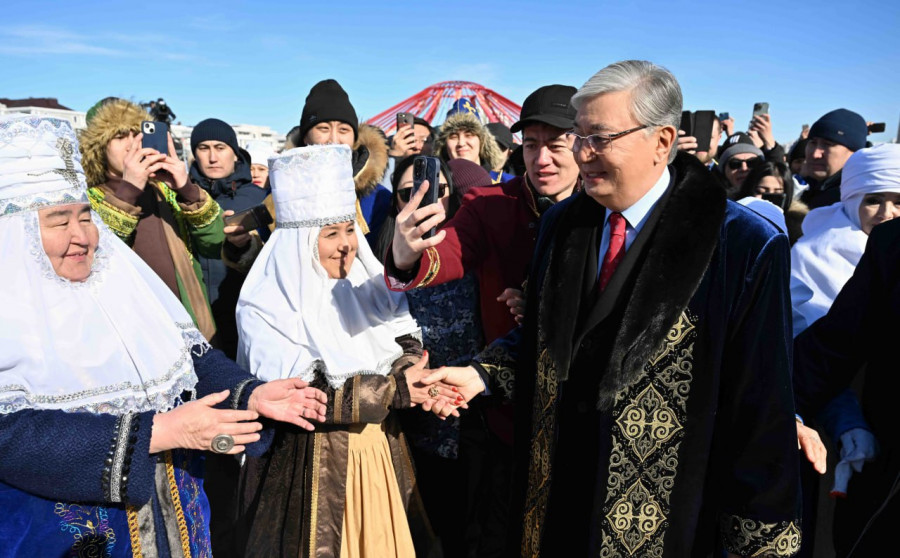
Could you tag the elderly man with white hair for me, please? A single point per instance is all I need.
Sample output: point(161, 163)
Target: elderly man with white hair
point(652, 372)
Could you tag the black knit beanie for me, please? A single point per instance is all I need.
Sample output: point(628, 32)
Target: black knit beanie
point(213, 129)
point(327, 101)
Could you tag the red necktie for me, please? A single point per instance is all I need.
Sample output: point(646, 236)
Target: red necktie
point(616, 250)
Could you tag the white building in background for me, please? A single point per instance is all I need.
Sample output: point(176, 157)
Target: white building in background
point(77, 119)
point(245, 132)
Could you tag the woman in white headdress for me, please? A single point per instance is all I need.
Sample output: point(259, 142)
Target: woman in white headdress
point(833, 241)
point(315, 306)
point(101, 369)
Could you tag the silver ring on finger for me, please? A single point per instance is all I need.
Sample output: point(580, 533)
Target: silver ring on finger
point(222, 443)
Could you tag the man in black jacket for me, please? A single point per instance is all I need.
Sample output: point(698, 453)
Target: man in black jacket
point(832, 139)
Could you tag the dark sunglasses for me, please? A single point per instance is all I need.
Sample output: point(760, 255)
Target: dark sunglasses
point(405, 193)
point(735, 164)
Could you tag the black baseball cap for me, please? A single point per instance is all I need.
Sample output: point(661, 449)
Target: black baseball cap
point(550, 104)
point(502, 134)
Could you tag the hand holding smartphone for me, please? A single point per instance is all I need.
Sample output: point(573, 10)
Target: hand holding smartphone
point(427, 168)
point(251, 219)
point(155, 136)
point(405, 119)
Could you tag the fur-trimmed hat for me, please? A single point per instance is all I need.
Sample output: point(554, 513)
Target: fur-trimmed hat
point(108, 121)
point(490, 154)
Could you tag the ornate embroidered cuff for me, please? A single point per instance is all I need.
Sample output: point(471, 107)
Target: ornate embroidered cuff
point(434, 266)
point(499, 367)
point(120, 222)
point(118, 459)
point(204, 216)
point(749, 537)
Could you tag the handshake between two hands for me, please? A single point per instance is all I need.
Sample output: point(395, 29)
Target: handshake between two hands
point(444, 390)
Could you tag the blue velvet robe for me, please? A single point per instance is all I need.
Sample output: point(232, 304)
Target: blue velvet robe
point(655, 418)
point(79, 484)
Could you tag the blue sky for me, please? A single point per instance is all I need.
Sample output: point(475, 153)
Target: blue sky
point(255, 62)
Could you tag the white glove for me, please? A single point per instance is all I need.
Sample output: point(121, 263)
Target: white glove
point(858, 445)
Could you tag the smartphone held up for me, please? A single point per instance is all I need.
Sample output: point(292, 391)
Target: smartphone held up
point(427, 168)
point(155, 136)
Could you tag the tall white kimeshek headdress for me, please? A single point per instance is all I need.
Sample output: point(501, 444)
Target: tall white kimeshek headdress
point(294, 320)
point(118, 342)
point(833, 242)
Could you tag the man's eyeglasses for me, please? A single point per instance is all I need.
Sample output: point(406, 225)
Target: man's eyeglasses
point(737, 164)
point(405, 193)
point(598, 142)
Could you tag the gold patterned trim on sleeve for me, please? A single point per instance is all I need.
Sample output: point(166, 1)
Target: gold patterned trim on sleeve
point(117, 220)
point(134, 532)
point(338, 404)
point(434, 266)
point(749, 537)
point(354, 417)
point(179, 510)
point(204, 216)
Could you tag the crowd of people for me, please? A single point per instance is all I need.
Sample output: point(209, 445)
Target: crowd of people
point(608, 339)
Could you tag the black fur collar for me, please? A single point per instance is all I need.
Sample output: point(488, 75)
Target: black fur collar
point(677, 253)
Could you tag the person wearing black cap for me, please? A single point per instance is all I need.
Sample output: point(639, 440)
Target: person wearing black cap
point(832, 139)
point(504, 139)
point(493, 234)
point(328, 117)
point(222, 169)
point(738, 156)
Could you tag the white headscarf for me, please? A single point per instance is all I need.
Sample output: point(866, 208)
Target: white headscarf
point(118, 342)
point(293, 319)
point(833, 241)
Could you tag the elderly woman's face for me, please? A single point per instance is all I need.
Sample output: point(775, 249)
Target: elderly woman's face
point(337, 248)
point(877, 208)
point(69, 238)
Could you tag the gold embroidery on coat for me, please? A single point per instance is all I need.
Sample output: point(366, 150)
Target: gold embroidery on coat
point(635, 517)
point(675, 336)
point(748, 537)
point(649, 426)
point(648, 422)
point(540, 468)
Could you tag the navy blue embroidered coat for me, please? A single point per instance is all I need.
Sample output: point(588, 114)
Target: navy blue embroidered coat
point(85, 484)
point(654, 419)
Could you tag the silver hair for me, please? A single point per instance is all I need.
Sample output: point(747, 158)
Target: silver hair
point(655, 94)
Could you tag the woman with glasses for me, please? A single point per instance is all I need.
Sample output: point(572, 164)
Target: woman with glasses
point(451, 331)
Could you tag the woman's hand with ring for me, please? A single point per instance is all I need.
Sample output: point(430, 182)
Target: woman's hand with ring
point(195, 424)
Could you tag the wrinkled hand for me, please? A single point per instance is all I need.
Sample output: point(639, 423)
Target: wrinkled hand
point(235, 234)
point(808, 440)
point(466, 381)
point(687, 143)
point(515, 300)
point(403, 142)
point(289, 400)
point(762, 125)
point(141, 163)
point(413, 222)
point(195, 424)
point(173, 166)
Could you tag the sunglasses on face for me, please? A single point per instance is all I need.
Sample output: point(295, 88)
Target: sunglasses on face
point(735, 164)
point(405, 193)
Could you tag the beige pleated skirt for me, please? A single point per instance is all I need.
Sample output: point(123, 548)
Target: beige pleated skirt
point(375, 524)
